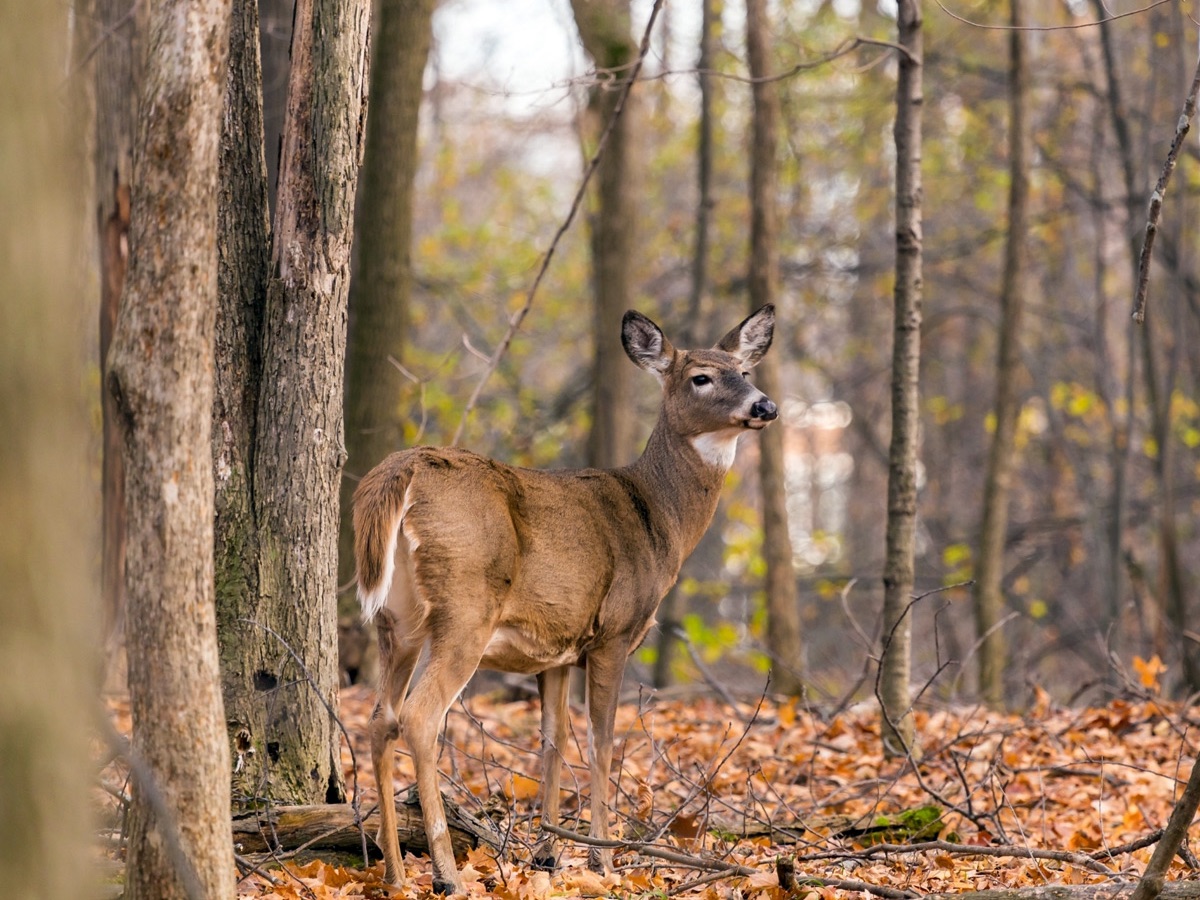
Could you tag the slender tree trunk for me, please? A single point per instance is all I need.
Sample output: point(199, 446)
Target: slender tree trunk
point(1122, 422)
point(670, 612)
point(898, 575)
point(47, 541)
point(1171, 587)
point(1159, 389)
point(161, 373)
point(1171, 595)
point(783, 609)
point(704, 175)
point(381, 288)
point(242, 279)
point(116, 99)
point(989, 601)
point(299, 450)
point(604, 26)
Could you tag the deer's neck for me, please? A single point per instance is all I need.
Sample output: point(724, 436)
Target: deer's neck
point(682, 478)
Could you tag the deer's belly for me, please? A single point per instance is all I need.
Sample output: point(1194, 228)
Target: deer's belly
point(510, 650)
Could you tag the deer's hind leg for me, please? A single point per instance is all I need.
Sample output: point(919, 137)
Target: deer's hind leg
point(456, 647)
point(398, 656)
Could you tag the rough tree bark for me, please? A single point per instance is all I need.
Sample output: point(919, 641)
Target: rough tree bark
point(278, 457)
point(988, 598)
point(604, 26)
point(897, 730)
point(116, 97)
point(242, 280)
point(381, 287)
point(783, 610)
point(299, 450)
point(47, 544)
point(161, 374)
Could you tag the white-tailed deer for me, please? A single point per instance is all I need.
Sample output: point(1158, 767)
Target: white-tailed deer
point(531, 571)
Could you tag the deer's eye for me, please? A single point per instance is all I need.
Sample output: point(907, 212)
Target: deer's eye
point(701, 380)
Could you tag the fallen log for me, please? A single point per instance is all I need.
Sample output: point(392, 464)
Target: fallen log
point(332, 827)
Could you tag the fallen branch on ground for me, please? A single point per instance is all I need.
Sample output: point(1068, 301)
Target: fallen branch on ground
point(284, 830)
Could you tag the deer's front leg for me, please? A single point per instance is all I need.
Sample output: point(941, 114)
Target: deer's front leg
point(552, 685)
point(604, 673)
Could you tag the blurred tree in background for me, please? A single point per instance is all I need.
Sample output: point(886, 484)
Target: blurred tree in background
point(1093, 569)
point(495, 178)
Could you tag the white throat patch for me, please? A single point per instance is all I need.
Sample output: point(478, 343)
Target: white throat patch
point(717, 448)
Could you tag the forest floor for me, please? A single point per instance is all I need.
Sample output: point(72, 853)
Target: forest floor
point(711, 796)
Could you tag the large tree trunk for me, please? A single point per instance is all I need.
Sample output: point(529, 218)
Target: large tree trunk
point(246, 651)
point(897, 729)
point(161, 373)
point(48, 600)
point(116, 98)
point(783, 610)
point(299, 451)
point(381, 288)
point(989, 601)
point(604, 26)
point(278, 457)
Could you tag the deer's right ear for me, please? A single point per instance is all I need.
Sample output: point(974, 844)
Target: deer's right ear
point(646, 344)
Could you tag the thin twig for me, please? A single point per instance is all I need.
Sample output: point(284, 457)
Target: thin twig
point(1182, 126)
point(710, 679)
point(965, 21)
point(249, 867)
point(1014, 852)
point(514, 323)
point(847, 46)
point(109, 31)
point(703, 863)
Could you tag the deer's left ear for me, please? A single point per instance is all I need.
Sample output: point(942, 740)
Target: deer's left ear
point(752, 338)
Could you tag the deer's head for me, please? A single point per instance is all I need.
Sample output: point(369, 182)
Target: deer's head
point(707, 392)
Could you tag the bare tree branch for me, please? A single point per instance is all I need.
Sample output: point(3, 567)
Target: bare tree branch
point(1182, 126)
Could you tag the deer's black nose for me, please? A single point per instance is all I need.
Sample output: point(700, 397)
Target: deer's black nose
point(764, 409)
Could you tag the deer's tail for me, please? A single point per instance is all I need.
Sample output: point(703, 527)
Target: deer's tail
point(378, 514)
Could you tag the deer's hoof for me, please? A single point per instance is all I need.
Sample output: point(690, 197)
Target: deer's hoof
point(446, 888)
point(600, 860)
point(545, 855)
